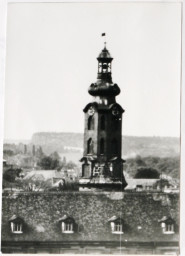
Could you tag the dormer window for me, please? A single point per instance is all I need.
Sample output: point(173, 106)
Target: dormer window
point(67, 224)
point(67, 227)
point(16, 224)
point(116, 224)
point(169, 229)
point(167, 225)
point(16, 228)
point(117, 228)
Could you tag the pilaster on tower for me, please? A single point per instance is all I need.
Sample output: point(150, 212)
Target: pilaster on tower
point(102, 165)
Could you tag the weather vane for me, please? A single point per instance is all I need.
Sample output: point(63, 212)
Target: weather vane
point(104, 34)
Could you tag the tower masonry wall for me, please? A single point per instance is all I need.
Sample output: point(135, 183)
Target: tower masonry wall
point(93, 134)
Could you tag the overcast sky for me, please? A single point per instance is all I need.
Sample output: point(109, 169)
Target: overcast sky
point(51, 61)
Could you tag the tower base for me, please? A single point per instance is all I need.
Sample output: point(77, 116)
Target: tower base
point(101, 183)
point(102, 175)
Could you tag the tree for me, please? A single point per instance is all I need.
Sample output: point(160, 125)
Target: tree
point(55, 156)
point(147, 173)
point(55, 164)
point(162, 183)
point(25, 149)
point(11, 174)
point(39, 152)
point(47, 163)
point(70, 165)
point(33, 150)
point(8, 152)
point(140, 162)
point(64, 160)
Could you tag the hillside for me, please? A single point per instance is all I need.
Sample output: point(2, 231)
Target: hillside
point(131, 145)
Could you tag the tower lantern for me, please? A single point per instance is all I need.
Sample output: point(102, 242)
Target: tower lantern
point(102, 165)
point(104, 65)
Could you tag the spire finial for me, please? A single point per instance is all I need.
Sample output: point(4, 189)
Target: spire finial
point(104, 34)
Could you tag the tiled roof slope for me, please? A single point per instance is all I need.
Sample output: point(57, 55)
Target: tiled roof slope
point(43, 174)
point(41, 212)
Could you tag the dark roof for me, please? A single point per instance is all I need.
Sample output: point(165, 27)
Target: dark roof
point(133, 183)
point(104, 88)
point(43, 174)
point(115, 219)
point(166, 219)
point(102, 107)
point(104, 54)
point(115, 158)
point(88, 158)
point(65, 218)
point(15, 218)
point(91, 211)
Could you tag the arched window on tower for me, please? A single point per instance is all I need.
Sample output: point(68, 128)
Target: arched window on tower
point(102, 146)
point(90, 146)
point(102, 122)
point(114, 147)
point(90, 123)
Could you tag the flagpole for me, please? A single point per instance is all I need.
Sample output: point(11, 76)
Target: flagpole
point(104, 34)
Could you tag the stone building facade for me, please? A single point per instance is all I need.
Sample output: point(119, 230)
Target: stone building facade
point(97, 222)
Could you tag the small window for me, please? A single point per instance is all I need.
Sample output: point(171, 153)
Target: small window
point(16, 224)
point(91, 123)
point(168, 228)
point(67, 224)
point(139, 188)
point(116, 224)
point(117, 228)
point(67, 228)
point(16, 228)
point(167, 225)
point(90, 146)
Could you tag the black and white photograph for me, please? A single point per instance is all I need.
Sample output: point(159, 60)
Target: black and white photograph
point(91, 128)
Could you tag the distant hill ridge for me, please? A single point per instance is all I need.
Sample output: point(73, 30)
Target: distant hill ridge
point(131, 145)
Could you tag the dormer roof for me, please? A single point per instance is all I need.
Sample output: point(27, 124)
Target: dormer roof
point(115, 219)
point(66, 218)
point(15, 218)
point(166, 219)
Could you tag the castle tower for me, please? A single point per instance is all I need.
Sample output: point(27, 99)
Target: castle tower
point(102, 165)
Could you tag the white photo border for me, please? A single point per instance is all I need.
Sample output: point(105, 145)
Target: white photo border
point(3, 20)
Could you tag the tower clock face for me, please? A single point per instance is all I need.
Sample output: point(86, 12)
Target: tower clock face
point(115, 111)
point(91, 111)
